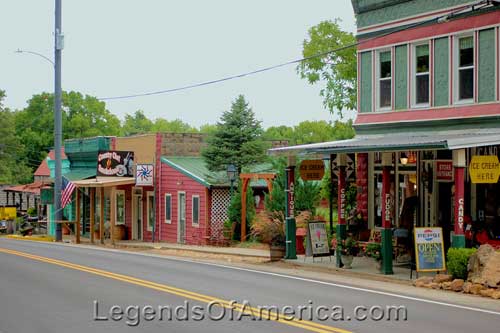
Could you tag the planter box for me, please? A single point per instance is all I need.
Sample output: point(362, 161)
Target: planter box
point(276, 253)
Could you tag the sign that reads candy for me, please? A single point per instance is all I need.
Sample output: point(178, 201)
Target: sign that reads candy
point(115, 163)
point(429, 249)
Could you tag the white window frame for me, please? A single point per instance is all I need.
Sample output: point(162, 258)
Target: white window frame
point(149, 194)
point(168, 195)
point(197, 224)
point(456, 68)
point(414, 75)
point(378, 79)
point(117, 193)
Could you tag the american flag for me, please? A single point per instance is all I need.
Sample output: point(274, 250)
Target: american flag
point(67, 189)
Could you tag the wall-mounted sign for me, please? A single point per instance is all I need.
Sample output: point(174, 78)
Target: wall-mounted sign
point(144, 175)
point(444, 171)
point(429, 249)
point(317, 239)
point(350, 168)
point(115, 163)
point(312, 169)
point(484, 169)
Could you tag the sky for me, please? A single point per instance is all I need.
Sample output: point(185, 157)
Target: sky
point(122, 47)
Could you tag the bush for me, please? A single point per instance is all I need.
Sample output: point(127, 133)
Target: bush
point(269, 228)
point(457, 260)
point(374, 250)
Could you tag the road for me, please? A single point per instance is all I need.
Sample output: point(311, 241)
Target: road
point(57, 288)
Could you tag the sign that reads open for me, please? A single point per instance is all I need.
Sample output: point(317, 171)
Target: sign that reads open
point(429, 249)
point(312, 169)
point(484, 169)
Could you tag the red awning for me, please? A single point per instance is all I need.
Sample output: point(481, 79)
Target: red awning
point(33, 188)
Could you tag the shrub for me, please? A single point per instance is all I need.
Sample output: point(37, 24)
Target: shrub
point(457, 260)
point(374, 250)
point(269, 228)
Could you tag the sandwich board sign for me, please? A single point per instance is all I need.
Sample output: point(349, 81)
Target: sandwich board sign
point(429, 249)
point(317, 240)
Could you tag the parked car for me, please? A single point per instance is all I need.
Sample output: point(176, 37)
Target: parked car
point(3, 227)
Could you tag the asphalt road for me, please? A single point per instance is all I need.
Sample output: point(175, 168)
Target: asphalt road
point(57, 288)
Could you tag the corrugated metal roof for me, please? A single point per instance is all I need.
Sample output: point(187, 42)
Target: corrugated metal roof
point(400, 142)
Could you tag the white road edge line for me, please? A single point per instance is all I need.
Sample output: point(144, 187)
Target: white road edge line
point(378, 292)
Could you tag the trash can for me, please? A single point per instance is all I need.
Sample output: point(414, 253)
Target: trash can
point(299, 240)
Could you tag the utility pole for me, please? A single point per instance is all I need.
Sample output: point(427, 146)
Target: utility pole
point(58, 46)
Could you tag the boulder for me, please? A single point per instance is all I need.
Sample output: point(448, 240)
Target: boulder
point(432, 285)
point(496, 295)
point(446, 285)
point(484, 267)
point(476, 288)
point(466, 287)
point(457, 285)
point(487, 292)
point(420, 282)
point(440, 278)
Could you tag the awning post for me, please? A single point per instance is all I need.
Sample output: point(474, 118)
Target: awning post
point(386, 214)
point(341, 203)
point(290, 226)
point(459, 163)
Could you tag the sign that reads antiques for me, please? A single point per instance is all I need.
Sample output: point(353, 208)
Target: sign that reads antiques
point(484, 169)
point(444, 171)
point(429, 249)
point(144, 175)
point(115, 163)
point(312, 169)
point(318, 239)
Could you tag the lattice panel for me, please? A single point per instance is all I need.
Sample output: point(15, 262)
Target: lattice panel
point(221, 199)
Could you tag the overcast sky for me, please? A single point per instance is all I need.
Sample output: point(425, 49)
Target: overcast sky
point(121, 47)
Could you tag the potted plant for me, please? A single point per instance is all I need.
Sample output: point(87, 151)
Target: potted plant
point(347, 248)
point(374, 250)
point(269, 228)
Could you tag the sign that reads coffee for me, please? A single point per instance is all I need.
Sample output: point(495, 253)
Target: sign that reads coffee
point(312, 169)
point(115, 163)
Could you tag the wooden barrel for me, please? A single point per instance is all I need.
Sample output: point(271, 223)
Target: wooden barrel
point(119, 232)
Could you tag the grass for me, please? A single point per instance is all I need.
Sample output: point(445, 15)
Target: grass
point(38, 238)
point(251, 244)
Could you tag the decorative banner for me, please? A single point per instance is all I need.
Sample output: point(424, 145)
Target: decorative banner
point(484, 169)
point(115, 164)
point(350, 169)
point(318, 240)
point(312, 169)
point(144, 175)
point(429, 249)
point(444, 171)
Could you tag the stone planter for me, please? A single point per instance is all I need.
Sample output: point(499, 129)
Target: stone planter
point(347, 261)
point(276, 252)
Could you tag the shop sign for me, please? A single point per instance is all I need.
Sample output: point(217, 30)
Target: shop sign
point(318, 239)
point(115, 163)
point(342, 205)
point(388, 208)
point(429, 249)
point(444, 171)
point(144, 175)
point(312, 169)
point(484, 169)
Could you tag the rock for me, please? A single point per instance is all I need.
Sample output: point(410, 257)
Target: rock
point(495, 295)
point(457, 285)
point(446, 285)
point(466, 287)
point(440, 278)
point(487, 292)
point(432, 285)
point(420, 282)
point(476, 288)
point(484, 267)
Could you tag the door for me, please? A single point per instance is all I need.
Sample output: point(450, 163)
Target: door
point(137, 217)
point(181, 218)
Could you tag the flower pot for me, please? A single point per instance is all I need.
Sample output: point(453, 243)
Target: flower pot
point(277, 252)
point(347, 261)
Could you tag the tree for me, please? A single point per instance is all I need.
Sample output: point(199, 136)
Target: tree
point(337, 70)
point(279, 133)
point(172, 126)
point(208, 129)
point(237, 139)
point(14, 167)
point(137, 123)
point(82, 116)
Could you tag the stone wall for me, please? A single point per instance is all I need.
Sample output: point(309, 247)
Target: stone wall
point(182, 144)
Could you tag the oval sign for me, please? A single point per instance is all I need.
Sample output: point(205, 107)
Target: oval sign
point(312, 169)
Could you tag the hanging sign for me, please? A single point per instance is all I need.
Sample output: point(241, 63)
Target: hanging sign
point(312, 169)
point(429, 248)
point(144, 175)
point(317, 239)
point(115, 163)
point(444, 171)
point(484, 169)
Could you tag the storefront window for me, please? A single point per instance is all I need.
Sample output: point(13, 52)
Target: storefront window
point(120, 207)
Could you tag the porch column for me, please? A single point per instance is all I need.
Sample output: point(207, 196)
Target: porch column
point(112, 214)
point(78, 217)
point(459, 163)
point(101, 221)
point(290, 227)
point(341, 203)
point(386, 214)
point(92, 214)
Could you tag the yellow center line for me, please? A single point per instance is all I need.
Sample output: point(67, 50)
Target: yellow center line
point(248, 310)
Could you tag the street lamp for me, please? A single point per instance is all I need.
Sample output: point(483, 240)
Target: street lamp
point(37, 54)
point(403, 159)
point(231, 174)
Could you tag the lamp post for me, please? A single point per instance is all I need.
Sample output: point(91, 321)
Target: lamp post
point(231, 175)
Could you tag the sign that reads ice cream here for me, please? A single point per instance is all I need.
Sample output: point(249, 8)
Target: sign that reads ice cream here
point(115, 163)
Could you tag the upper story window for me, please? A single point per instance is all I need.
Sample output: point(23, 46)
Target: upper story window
point(384, 78)
point(421, 72)
point(464, 90)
